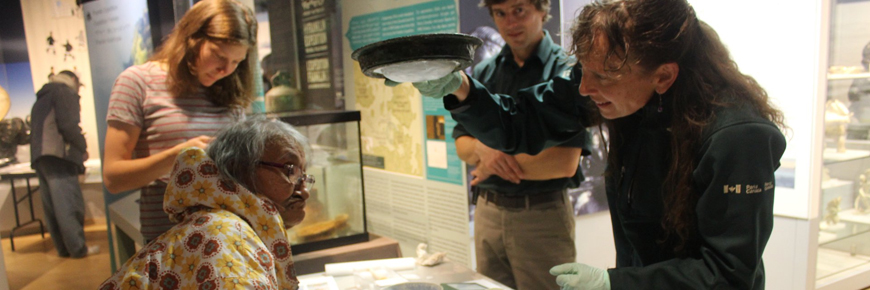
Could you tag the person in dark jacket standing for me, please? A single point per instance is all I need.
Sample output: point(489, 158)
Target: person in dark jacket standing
point(57, 153)
point(693, 145)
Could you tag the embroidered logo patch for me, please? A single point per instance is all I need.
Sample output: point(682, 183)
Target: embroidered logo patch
point(747, 188)
point(732, 189)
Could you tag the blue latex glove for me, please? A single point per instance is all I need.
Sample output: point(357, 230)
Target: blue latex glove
point(435, 88)
point(577, 276)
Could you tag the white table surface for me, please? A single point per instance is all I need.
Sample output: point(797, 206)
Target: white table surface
point(447, 272)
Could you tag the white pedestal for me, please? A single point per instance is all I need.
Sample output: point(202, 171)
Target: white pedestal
point(854, 216)
point(831, 155)
point(829, 228)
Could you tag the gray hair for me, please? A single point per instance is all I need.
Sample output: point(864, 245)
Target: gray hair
point(237, 149)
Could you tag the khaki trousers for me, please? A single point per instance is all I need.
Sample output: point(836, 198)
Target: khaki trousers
point(518, 246)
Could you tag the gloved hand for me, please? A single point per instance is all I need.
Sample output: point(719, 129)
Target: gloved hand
point(577, 276)
point(437, 88)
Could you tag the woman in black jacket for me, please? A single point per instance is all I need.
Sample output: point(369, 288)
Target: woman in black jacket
point(694, 144)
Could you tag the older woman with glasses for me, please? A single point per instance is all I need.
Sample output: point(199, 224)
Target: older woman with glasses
point(233, 206)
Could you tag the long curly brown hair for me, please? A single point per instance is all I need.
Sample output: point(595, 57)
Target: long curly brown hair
point(647, 34)
point(220, 21)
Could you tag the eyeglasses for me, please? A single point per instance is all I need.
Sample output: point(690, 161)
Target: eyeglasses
point(300, 182)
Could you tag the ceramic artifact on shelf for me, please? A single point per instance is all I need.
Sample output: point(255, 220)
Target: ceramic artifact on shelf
point(282, 97)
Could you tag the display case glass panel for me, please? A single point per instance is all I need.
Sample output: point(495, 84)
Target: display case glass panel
point(844, 208)
point(335, 212)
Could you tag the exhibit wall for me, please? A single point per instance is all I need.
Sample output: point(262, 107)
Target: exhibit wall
point(56, 41)
point(120, 35)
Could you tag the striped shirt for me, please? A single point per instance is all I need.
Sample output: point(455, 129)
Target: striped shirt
point(141, 97)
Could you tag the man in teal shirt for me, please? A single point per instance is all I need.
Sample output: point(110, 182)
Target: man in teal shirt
point(524, 222)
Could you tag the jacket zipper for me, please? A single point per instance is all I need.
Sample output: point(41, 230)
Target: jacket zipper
point(621, 175)
point(630, 185)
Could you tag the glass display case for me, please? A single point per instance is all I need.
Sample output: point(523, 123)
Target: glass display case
point(335, 211)
point(844, 208)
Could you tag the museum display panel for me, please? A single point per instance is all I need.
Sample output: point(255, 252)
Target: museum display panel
point(335, 211)
point(844, 206)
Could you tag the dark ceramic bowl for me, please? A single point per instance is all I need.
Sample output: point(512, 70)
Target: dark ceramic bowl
point(417, 57)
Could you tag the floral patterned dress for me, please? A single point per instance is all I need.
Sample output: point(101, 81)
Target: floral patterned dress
point(227, 237)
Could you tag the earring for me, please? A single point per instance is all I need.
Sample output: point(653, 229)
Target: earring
point(191, 68)
point(660, 102)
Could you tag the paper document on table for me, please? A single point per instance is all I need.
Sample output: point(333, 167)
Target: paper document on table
point(397, 264)
point(318, 283)
point(486, 283)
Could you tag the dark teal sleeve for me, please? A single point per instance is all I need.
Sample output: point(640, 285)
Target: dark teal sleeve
point(542, 116)
point(459, 131)
point(581, 140)
point(735, 179)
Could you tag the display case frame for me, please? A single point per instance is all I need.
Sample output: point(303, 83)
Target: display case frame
point(303, 119)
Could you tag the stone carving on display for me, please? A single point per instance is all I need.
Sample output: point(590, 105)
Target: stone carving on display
point(862, 201)
point(832, 212)
point(837, 116)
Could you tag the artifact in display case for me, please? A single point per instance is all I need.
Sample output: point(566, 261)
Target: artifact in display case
point(859, 90)
point(862, 201)
point(283, 97)
point(837, 116)
point(832, 212)
point(335, 210)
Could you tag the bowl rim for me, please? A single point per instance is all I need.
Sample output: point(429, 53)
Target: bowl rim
point(417, 37)
point(370, 72)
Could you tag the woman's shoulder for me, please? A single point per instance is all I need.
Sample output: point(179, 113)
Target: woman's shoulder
point(211, 216)
point(143, 72)
point(741, 124)
point(214, 224)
